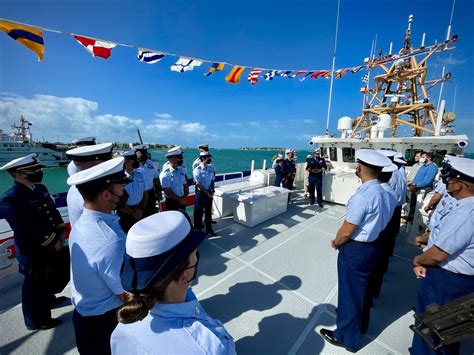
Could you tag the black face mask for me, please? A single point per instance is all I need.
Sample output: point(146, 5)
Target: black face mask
point(122, 200)
point(180, 162)
point(209, 161)
point(194, 266)
point(36, 177)
point(136, 164)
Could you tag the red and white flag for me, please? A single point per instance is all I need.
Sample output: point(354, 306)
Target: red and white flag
point(95, 47)
point(253, 76)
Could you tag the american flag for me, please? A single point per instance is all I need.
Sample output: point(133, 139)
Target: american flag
point(365, 78)
point(270, 75)
point(253, 76)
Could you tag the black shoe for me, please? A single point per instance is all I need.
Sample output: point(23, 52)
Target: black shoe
point(213, 222)
point(320, 205)
point(212, 234)
point(328, 335)
point(57, 301)
point(52, 323)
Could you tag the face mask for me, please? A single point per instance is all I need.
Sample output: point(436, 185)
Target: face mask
point(180, 162)
point(36, 177)
point(195, 266)
point(209, 161)
point(357, 172)
point(422, 160)
point(122, 200)
point(135, 164)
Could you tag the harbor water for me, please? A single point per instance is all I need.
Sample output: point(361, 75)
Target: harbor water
point(226, 161)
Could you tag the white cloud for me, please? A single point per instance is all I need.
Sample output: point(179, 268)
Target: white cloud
point(67, 118)
point(253, 124)
point(164, 115)
point(235, 124)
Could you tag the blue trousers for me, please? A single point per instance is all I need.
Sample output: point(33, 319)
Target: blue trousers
point(439, 286)
point(315, 181)
point(35, 298)
point(93, 332)
point(202, 203)
point(355, 264)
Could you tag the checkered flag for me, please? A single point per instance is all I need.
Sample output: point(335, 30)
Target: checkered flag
point(365, 78)
point(269, 75)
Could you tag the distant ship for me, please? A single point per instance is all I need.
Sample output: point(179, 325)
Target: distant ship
point(20, 143)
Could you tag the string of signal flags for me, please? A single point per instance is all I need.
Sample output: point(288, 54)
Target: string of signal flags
point(32, 37)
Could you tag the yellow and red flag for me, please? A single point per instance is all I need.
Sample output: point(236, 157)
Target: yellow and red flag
point(30, 37)
point(235, 74)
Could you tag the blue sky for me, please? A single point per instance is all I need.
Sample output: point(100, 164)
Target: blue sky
point(71, 94)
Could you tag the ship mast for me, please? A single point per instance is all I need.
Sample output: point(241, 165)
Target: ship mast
point(400, 90)
point(22, 131)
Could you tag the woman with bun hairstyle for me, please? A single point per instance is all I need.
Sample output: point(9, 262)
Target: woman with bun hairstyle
point(161, 314)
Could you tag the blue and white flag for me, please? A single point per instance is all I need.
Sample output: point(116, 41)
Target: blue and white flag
point(365, 78)
point(185, 64)
point(284, 73)
point(150, 57)
point(270, 75)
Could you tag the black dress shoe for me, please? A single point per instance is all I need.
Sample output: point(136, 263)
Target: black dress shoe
point(213, 222)
point(59, 301)
point(52, 323)
point(212, 234)
point(328, 335)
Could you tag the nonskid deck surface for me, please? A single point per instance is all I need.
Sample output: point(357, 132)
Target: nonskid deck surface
point(273, 286)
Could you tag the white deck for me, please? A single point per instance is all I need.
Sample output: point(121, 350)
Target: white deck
point(273, 286)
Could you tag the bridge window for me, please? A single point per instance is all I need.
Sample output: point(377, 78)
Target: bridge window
point(348, 155)
point(333, 154)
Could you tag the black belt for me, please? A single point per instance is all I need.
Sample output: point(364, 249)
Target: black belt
point(366, 244)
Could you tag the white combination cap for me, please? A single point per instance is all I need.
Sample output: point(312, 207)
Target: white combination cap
point(140, 147)
point(205, 154)
point(390, 168)
point(101, 151)
point(174, 151)
point(400, 161)
point(28, 162)
point(109, 172)
point(387, 153)
point(372, 158)
point(460, 168)
point(200, 146)
point(129, 154)
point(288, 151)
point(84, 141)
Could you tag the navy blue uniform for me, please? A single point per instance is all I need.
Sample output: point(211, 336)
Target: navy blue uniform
point(278, 175)
point(37, 226)
point(315, 178)
point(289, 172)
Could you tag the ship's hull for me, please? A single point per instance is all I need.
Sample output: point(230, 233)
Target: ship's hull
point(48, 157)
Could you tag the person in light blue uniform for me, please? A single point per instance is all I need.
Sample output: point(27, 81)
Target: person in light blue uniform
point(161, 314)
point(203, 148)
point(384, 244)
point(446, 268)
point(135, 196)
point(84, 157)
point(367, 214)
point(203, 177)
point(173, 182)
point(97, 246)
point(81, 142)
point(398, 184)
point(152, 179)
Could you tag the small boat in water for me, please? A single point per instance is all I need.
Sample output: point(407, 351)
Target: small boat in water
point(20, 143)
